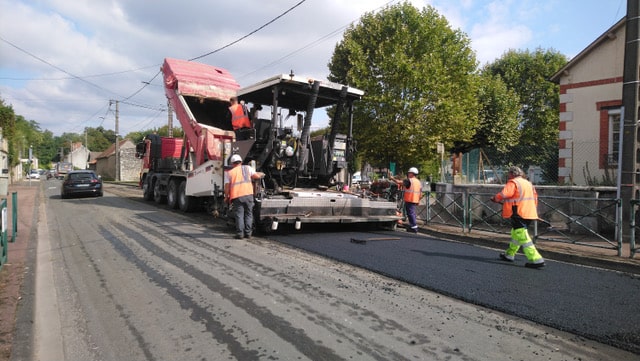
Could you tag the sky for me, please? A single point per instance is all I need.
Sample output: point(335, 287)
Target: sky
point(63, 64)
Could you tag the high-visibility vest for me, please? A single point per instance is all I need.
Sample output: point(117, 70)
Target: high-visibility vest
point(239, 117)
point(413, 193)
point(520, 193)
point(240, 182)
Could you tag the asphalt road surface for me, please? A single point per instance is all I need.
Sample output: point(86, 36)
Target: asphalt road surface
point(122, 279)
point(595, 303)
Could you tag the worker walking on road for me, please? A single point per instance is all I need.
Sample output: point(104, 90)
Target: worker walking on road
point(238, 192)
point(519, 201)
point(412, 195)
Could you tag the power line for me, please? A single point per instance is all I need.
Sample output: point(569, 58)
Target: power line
point(160, 109)
point(313, 43)
point(56, 67)
point(223, 47)
point(251, 33)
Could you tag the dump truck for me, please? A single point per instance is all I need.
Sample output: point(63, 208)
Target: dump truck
point(304, 175)
point(188, 173)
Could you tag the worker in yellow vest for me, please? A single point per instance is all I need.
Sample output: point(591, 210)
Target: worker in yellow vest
point(519, 201)
point(238, 192)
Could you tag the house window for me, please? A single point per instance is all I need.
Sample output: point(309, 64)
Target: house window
point(614, 136)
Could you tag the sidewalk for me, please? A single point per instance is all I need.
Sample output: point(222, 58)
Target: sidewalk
point(16, 276)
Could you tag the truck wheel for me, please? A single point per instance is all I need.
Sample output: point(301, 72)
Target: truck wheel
point(185, 203)
point(147, 194)
point(157, 196)
point(172, 195)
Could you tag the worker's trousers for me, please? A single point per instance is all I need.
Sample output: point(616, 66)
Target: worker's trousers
point(243, 208)
point(411, 215)
point(520, 238)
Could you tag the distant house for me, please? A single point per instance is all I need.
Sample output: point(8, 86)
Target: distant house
point(590, 106)
point(92, 160)
point(105, 163)
point(79, 156)
point(4, 166)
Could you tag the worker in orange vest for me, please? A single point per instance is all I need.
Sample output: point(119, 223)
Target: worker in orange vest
point(238, 192)
point(412, 195)
point(239, 114)
point(519, 201)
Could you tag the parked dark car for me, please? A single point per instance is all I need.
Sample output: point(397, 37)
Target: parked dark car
point(81, 182)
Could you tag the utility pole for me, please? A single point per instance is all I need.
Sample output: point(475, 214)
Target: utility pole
point(117, 149)
point(629, 177)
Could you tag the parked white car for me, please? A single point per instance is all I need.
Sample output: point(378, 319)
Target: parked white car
point(34, 174)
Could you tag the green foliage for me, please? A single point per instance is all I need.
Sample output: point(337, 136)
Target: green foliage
point(21, 134)
point(8, 124)
point(419, 81)
point(163, 131)
point(99, 139)
point(527, 74)
point(498, 129)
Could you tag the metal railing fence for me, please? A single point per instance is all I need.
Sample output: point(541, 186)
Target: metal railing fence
point(3, 233)
point(591, 222)
point(633, 226)
point(4, 228)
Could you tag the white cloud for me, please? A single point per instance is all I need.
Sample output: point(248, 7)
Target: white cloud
point(126, 41)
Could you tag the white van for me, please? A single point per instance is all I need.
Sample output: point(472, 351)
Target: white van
point(356, 178)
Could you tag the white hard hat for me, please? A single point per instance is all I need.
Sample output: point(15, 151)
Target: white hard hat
point(413, 170)
point(236, 158)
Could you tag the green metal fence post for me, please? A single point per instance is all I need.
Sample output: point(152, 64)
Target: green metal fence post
point(14, 213)
point(3, 232)
point(632, 228)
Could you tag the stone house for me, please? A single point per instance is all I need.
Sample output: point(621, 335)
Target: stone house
point(590, 107)
point(105, 163)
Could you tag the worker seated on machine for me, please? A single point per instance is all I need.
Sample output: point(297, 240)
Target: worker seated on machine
point(240, 120)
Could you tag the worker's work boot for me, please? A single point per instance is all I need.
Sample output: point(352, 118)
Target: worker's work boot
point(504, 257)
point(534, 265)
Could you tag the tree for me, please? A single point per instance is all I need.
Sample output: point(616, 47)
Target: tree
point(99, 139)
point(162, 131)
point(8, 124)
point(527, 74)
point(46, 149)
point(498, 129)
point(419, 81)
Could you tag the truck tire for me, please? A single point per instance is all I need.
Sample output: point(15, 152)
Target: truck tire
point(172, 195)
point(147, 191)
point(185, 203)
point(157, 196)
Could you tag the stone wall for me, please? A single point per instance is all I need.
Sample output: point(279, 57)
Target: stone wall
point(129, 165)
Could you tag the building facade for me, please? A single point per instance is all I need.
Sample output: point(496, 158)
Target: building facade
point(79, 156)
point(590, 107)
point(129, 165)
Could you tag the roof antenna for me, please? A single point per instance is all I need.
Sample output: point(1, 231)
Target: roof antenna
point(291, 75)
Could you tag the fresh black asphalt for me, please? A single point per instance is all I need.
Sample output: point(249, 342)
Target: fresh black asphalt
point(595, 303)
